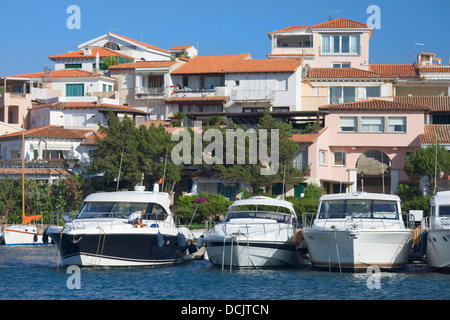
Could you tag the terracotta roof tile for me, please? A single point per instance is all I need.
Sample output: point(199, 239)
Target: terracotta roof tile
point(149, 46)
point(309, 137)
point(143, 64)
point(341, 23)
point(434, 69)
point(344, 73)
point(103, 52)
point(51, 131)
point(177, 48)
point(87, 105)
point(395, 70)
point(433, 131)
point(373, 104)
point(288, 29)
point(436, 103)
point(212, 64)
point(64, 73)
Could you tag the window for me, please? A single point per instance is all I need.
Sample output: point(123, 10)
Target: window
point(340, 45)
point(156, 81)
point(397, 124)
point(322, 157)
point(347, 124)
point(236, 83)
point(72, 66)
point(212, 82)
point(104, 88)
point(341, 65)
point(301, 159)
point(342, 94)
point(339, 158)
point(282, 84)
point(75, 90)
point(373, 92)
point(79, 120)
point(372, 124)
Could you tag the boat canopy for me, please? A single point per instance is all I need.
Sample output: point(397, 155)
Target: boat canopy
point(263, 201)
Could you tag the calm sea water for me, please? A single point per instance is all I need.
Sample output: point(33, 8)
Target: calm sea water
point(31, 273)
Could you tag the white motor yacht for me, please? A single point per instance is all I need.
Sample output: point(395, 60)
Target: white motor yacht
point(436, 231)
point(102, 235)
point(257, 232)
point(356, 231)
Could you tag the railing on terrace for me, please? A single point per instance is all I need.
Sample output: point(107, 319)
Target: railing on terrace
point(46, 163)
point(253, 94)
point(151, 91)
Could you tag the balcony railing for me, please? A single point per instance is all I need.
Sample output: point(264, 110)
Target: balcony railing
point(253, 95)
point(145, 92)
point(350, 53)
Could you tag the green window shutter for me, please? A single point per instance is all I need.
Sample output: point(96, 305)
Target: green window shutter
point(73, 66)
point(75, 90)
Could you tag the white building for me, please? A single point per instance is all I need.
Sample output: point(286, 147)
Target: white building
point(137, 49)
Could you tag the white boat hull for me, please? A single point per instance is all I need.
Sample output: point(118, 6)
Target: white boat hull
point(21, 235)
point(358, 249)
point(118, 245)
point(438, 249)
point(241, 253)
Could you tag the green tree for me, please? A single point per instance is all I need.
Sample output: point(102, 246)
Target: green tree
point(134, 152)
point(110, 61)
point(251, 174)
point(428, 161)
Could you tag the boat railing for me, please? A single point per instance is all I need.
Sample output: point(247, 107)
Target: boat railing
point(308, 219)
point(436, 222)
point(288, 227)
point(59, 218)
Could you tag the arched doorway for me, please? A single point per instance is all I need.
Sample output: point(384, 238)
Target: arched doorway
point(374, 172)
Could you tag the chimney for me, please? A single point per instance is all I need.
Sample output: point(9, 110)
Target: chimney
point(87, 51)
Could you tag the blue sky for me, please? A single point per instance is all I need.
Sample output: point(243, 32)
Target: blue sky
point(33, 30)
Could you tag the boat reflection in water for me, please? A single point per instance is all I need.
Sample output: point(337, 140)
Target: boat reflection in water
point(356, 231)
point(101, 234)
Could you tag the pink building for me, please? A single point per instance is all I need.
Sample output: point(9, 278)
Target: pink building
point(364, 145)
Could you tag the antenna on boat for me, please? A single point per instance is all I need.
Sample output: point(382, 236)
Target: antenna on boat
point(120, 169)
point(164, 174)
point(284, 178)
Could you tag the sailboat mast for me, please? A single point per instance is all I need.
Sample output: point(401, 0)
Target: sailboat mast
point(23, 167)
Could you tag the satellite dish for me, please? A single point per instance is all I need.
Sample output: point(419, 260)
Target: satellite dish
point(46, 71)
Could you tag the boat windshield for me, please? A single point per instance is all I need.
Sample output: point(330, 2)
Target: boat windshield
point(277, 216)
point(444, 210)
point(90, 210)
point(358, 208)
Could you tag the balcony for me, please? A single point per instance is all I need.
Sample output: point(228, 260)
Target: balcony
point(253, 95)
point(219, 91)
point(151, 93)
